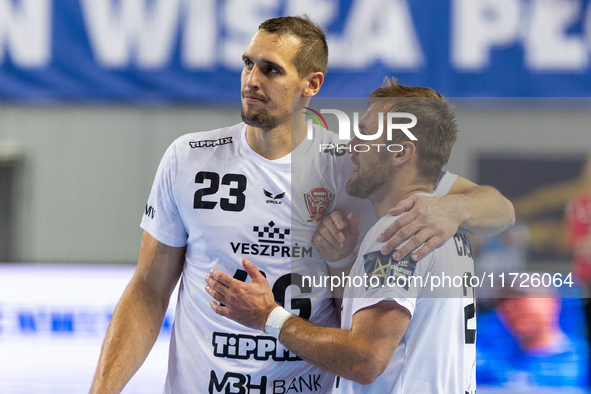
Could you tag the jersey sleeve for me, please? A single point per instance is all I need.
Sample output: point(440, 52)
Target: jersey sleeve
point(161, 217)
point(388, 279)
point(444, 184)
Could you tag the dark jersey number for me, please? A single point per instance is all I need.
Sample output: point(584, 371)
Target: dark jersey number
point(303, 304)
point(240, 181)
point(470, 309)
point(214, 177)
point(469, 334)
point(237, 180)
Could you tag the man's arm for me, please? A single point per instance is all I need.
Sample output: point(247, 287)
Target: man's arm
point(360, 354)
point(484, 210)
point(481, 210)
point(137, 319)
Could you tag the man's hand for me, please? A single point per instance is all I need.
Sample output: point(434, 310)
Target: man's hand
point(430, 221)
point(246, 303)
point(336, 236)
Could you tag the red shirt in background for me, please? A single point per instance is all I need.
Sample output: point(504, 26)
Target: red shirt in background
point(578, 225)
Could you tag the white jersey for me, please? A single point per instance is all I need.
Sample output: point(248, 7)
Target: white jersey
point(222, 200)
point(437, 353)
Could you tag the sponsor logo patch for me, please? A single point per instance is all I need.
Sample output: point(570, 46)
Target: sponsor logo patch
point(384, 266)
point(210, 143)
point(235, 382)
point(271, 241)
point(273, 199)
point(150, 211)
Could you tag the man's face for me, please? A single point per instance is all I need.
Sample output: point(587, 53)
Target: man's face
point(269, 80)
point(527, 318)
point(373, 167)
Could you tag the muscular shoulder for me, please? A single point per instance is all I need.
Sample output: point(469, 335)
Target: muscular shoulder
point(205, 145)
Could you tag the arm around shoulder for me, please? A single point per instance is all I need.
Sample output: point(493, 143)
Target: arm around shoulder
point(136, 322)
point(485, 212)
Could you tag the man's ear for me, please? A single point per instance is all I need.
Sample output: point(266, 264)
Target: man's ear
point(408, 151)
point(313, 83)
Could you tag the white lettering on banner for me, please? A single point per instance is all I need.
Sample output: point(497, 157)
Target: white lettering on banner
point(118, 29)
point(215, 33)
point(200, 34)
point(587, 25)
point(548, 47)
point(377, 30)
point(25, 32)
point(480, 25)
point(242, 21)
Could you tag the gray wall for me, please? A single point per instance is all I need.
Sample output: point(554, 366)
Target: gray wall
point(85, 172)
point(548, 132)
point(85, 176)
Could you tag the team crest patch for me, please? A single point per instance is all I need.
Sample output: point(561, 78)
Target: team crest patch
point(383, 267)
point(318, 201)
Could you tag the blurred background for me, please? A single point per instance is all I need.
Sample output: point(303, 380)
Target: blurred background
point(92, 92)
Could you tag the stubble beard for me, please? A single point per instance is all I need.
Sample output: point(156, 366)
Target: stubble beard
point(365, 185)
point(260, 119)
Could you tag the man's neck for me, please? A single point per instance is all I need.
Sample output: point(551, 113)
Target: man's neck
point(385, 199)
point(277, 142)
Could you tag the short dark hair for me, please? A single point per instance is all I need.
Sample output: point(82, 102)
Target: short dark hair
point(312, 55)
point(436, 128)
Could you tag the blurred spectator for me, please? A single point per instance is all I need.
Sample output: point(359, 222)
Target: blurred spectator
point(537, 352)
point(578, 225)
point(578, 236)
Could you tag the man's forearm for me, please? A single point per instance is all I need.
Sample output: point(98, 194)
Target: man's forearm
point(484, 211)
point(330, 349)
point(133, 329)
